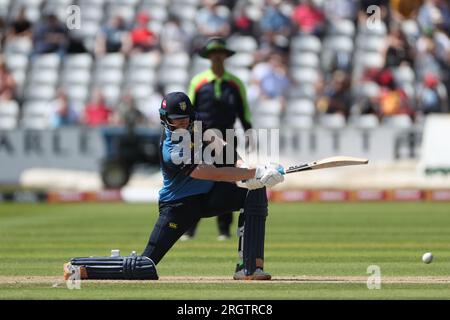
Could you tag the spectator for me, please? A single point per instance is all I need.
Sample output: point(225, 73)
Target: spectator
point(243, 23)
point(2, 31)
point(431, 96)
point(96, 112)
point(404, 9)
point(113, 37)
point(397, 49)
point(128, 113)
point(20, 26)
point(7, 82)
point(210, 22)
point(429, 11)
point(174, 37)
point(393, 99)
point(336, 10)
point(426, 60)
point(142, 38)
point(274, 83)
point(64, 113)
point(50, 36)
point(274, 21)
point(336, 96)
point(308, 18)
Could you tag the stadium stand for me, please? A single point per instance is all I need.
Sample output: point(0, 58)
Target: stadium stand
point(393, 59)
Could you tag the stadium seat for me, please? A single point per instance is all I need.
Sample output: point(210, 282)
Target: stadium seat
point(185, 12)
point(135, 76)
point(141, 91)
point(78, 61)
point(77, 92)
point(404, 74)
point(364, 121)
point(401, 121)
point(18, 46)
point(76, 76)
point(108, 76)
point(9, 112)
point(173, 75)
point(300, 106)
point(342, 27)
point(240, 60)
point(305, 75)
point(156, 12)
point(308, 59)
point(143, 60)
point(16, 61)
point(302, 91)
point(332, 121)
point(36, 116)
point(379, 28)
point(46, 61)
point(111, 60)
point(266, 122)
point(306, 44)
point(370, 43)
point(112, 95)
point(299, 121)
point(172, 87)
point(242, 44)
point(338, 43)
point(243, 74)
point(267, 107)
point(368, 89)
point(46, 77)
point(175, 60)
point(40, 92)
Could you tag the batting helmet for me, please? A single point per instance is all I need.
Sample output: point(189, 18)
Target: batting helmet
point(176, 105)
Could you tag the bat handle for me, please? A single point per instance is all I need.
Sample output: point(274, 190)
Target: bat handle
point(281, 170)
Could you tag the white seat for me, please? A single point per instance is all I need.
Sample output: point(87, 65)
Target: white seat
point(156, 11)
point(301, 106)
point(240, 59)
point(175, 60)
point(111, 60)
point(306, 44)
point(410, 28)
point(143, 60)
point(404, 74)
point(36, 115)
point(46, 61)
point(364, 121)
point(299, 121)
point(20, 45)
point(111, 76)
point(266, 122)
point(46, 76)
point(242, 44)
point(173, 75)
point(378, 28)
point(16, 61)
point(184, 12)
point(40, 92)
point(368, 89)
point(77, 92)
point(308, 59)
point(371, 59)
point(339, 43)
point(175, 87)
point(78, 61)
point(9, 111)
point(332, 121)
point(370, 43)
point(267, 107)
point(112, 95)
point(302, 91)
point(136, 76)
point(401, 121)
point(141, 91)
point(76, 76)
point(243, 74)
point(342, 27)
point(305, 75)
point(125, 11)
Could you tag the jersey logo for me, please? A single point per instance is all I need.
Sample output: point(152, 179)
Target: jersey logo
point(173, 225)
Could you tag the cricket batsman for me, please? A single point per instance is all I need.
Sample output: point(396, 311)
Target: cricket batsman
point(193, 190)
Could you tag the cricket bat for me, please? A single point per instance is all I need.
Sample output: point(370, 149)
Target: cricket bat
point(338, 161)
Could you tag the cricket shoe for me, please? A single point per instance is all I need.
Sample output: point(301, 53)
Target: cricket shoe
point(259, 274)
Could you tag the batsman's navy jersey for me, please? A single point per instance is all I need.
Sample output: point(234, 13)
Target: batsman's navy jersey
point(177, 182)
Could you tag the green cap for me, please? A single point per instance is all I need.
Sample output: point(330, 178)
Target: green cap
point(215, 44)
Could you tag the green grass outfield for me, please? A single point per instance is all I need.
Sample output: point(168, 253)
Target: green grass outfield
point(310, 240)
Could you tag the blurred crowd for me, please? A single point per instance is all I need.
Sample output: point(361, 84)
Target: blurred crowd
point(392, 59)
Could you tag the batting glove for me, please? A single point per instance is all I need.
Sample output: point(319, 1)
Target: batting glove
point(270, 175)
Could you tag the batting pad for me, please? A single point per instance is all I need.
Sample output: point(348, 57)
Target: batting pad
point(114, 268)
